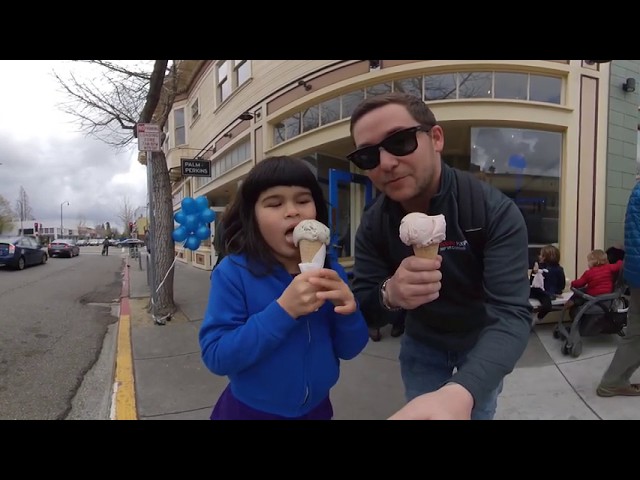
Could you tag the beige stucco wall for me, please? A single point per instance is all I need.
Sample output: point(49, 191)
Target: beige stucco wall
point(581, 118)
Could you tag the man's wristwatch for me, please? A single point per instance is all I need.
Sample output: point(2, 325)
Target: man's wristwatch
point(383, 297)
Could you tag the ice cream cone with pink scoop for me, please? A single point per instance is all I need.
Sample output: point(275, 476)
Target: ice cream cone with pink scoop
point(423, 232)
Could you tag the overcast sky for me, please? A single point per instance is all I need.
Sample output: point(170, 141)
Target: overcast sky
point(42, 150)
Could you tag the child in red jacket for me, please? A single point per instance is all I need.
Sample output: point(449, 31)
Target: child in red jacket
point(598, 279)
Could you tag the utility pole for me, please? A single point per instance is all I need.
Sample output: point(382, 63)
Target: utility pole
point(151, 244)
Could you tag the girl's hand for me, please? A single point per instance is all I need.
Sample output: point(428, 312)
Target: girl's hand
point(300, 298)
point(332, 287)
point(535, 267)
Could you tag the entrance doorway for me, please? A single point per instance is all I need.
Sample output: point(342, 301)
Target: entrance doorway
point(340, 218)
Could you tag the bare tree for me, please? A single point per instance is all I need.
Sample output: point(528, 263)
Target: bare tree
point(126, 214)
point(82, 221)
point(23, 208)
point(109, 108)
point(82, 225)
point(7, 215)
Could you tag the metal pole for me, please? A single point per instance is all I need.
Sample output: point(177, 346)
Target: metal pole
point(61, 226)
point(151, 240)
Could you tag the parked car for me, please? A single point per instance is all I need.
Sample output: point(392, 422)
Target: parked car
point(63, 248)
point(22, 251)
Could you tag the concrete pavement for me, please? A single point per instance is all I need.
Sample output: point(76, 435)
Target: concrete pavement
point(159, 374)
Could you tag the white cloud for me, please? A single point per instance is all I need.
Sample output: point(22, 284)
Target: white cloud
point(42, 151)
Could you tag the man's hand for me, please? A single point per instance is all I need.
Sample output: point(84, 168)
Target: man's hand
point(416, 282)
point(451, 402)
point(333, 288)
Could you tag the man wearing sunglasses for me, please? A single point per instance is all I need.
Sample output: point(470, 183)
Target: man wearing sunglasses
point(467, 316)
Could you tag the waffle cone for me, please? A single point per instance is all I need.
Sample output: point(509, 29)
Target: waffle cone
point(308, 250)
point(430, 251)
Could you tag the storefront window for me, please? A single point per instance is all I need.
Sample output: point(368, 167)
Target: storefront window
point(475, 85)
point(350, 101)
point(511, 85)
point(440, 87)
point(330, 111)
point(545, 89)
point(525, 165)
point(412, 86)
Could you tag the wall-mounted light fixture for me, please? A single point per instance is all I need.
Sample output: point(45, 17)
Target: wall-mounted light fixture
point(228, 135)
point(246, 116)
point(303, 83)
point(630, 85)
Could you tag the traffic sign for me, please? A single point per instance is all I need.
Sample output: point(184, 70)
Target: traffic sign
point(148, 137)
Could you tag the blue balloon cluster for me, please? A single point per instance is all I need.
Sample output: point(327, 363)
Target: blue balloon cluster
point(193, 219)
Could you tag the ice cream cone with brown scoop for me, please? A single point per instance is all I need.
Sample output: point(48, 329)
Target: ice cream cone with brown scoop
point(423, 232)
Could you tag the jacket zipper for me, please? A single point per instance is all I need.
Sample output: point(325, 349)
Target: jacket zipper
point(306, 387)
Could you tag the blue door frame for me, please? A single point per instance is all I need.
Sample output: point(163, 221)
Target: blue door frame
point(336, 177)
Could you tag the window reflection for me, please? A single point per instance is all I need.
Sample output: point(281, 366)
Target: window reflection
point(545, 89)
point(243, 69)
point(525, 165)
point(412, 86)
point(311, 118)
point(292, 126)
point(511, 85)
point(440, 87)
point(475, 84)
point(178, 120)
point(350, 101)
point(330, 111)
point(279, 133)
point(379, 89)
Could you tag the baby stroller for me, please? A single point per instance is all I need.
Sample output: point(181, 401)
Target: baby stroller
point(602, 314)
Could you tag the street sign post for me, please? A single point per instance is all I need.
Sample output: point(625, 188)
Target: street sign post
point(149, 141)
point(148, 137)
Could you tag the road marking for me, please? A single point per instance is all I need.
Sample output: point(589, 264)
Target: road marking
point(124, 385)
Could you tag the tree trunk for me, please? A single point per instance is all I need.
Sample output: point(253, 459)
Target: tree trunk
point(163, 228)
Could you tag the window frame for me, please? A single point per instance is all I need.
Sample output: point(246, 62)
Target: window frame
point(176, 127)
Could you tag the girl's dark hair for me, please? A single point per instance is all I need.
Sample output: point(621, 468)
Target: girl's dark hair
point(241, 232)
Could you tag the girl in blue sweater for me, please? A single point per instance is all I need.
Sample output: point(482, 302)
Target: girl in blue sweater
point(276, 333)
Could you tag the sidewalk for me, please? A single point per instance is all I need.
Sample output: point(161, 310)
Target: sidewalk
point(167, 380)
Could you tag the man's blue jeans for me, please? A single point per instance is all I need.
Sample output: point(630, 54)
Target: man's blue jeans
point(425, 369)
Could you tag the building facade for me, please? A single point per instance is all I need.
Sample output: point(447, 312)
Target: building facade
point(560, 137)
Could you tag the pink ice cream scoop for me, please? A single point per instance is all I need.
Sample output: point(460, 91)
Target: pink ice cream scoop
point(423, 232)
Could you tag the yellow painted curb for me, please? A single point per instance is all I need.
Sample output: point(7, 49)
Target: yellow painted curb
point(125, 393)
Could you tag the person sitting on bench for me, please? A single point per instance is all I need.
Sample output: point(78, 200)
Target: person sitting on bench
point(547, 279)
point(598, 278)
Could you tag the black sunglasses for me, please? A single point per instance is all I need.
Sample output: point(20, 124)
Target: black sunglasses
point(400, 143)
